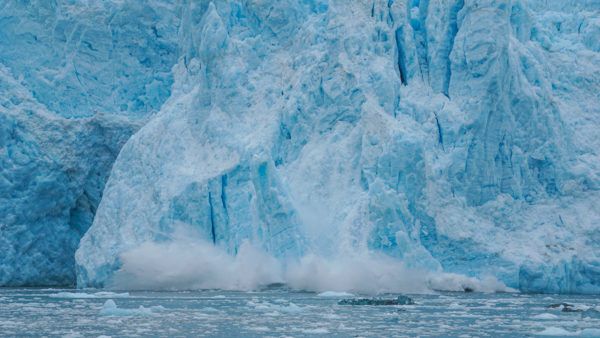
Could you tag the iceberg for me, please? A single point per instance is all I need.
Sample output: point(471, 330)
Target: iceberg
point(457, 137)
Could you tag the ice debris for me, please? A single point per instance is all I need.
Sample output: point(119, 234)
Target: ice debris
point(400, 300)
point(83, 295)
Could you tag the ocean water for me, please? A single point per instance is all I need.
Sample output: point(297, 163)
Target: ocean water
point(285, 313)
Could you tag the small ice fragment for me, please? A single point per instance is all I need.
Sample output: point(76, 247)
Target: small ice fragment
point(291, 308)
point(320, 330)
point(110, 309)
point(455, 306)
point(556, 331)
point(71, 295)
point(335, 294)
point(109, 305)
point(259, 328)
point(106, 294)
point(545, 316)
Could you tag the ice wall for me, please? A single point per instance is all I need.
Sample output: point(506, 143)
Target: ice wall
point(452, 135)
point(76, 80)
point(455, 136)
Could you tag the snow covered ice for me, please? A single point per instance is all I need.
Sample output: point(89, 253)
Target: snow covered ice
point(456, 139)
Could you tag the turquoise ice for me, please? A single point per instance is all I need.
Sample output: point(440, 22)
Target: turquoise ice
point(454, 136)
point(77, 79)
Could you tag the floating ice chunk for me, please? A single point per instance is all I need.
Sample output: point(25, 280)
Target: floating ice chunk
point(545, 316)
point(320, 330)
point(271, 308)
point(110, 309)
point(556, 331)
point(108, 294)
point(335, 294)
point(456, 306)
point(290, 308)
point(74, 295)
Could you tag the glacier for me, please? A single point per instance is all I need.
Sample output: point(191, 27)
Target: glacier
point(456, 137)
point(72, 92)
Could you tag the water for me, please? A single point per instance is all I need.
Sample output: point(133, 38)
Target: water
point(280, 312)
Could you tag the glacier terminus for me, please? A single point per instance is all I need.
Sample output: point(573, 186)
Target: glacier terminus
point(358, 146)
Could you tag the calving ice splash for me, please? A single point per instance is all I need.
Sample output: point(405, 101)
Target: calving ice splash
point(352, 146)
point(189, 262)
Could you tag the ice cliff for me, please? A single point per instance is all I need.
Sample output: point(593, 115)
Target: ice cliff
point(76, 80)
point(455, 136)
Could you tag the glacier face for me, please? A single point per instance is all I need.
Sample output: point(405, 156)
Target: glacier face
point(455, 136)
point(77, 79)
point(452, 135)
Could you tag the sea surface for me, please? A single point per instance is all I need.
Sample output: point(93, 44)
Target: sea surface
point(285, 313)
